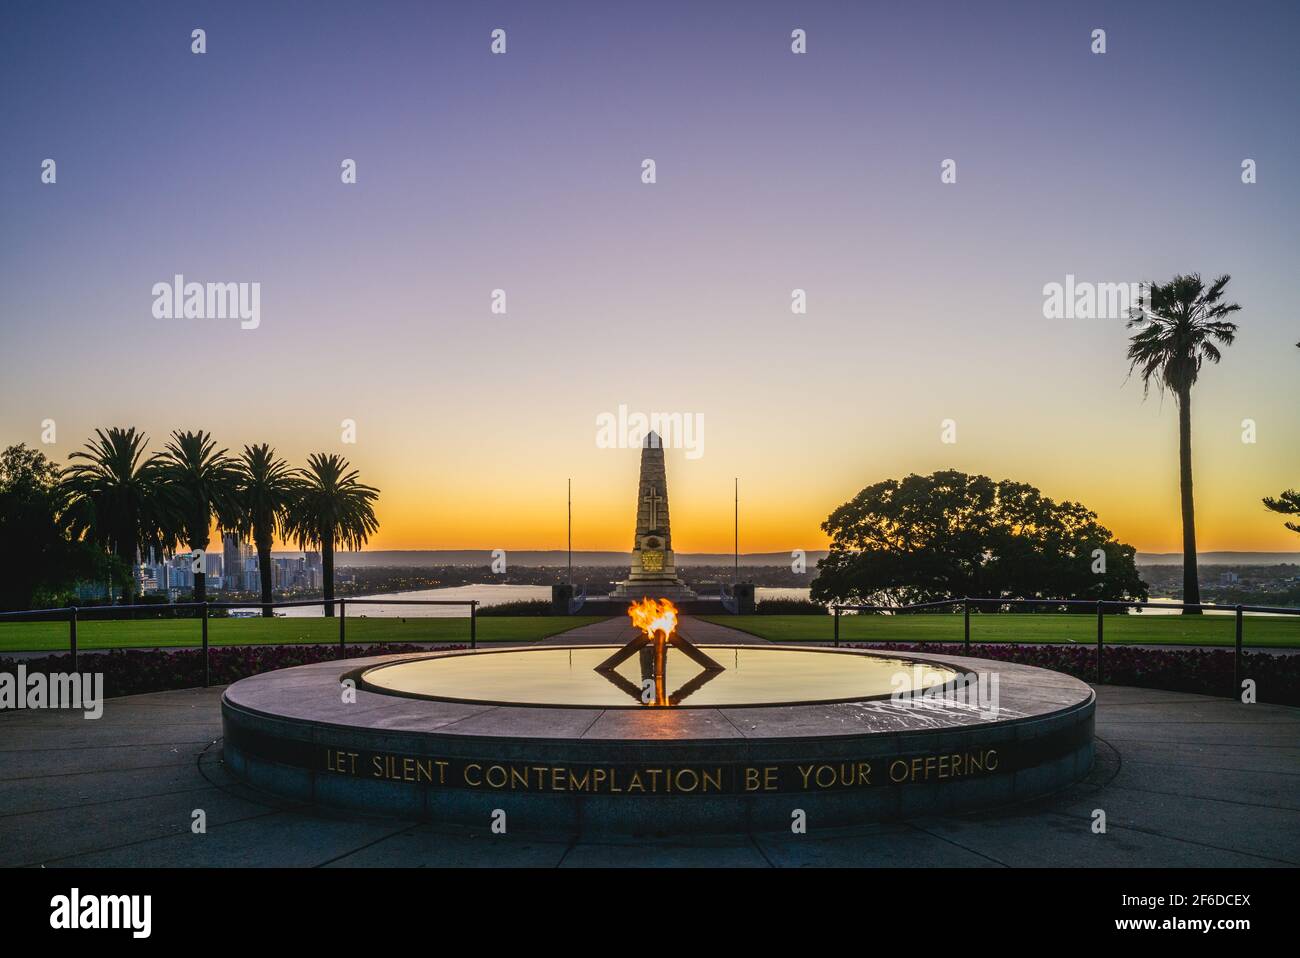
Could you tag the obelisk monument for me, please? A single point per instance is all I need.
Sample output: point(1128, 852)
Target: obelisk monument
point(653, 572)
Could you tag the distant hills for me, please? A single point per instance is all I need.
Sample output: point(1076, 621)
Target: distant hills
point(413, 558)
point(1219, 558)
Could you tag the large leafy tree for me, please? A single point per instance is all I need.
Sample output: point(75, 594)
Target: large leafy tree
point(1181, 326)
point(39, 562)
point(266, 490)
point(949, 534)
point(332, 509)
point(200, 485)
point(115, 498)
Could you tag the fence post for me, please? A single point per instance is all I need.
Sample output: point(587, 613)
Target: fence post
point(1100, 611)
point(966, 616)
point(72, 637)
point(473, 630)
point(1236, 661)
point(837, 626)
point(207, 661)
point(343, 618)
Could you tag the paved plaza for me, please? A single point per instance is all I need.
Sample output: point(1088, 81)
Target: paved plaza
point(1184, 780)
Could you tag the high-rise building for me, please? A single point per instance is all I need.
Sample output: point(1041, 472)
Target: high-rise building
point(312, 567)
point(234, 555)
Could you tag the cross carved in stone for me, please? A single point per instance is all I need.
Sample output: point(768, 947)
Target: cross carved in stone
point(653, 498)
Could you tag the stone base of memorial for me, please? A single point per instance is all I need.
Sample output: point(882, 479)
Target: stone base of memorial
point(342, 735)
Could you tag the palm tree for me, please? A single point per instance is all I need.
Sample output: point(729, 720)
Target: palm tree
point(332, 508)
point(200, 483)
point(1287, 503)
point(1181, 326)
point(265, 490)
point(115, 499)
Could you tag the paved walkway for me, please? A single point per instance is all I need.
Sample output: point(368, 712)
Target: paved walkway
point(1183, 780)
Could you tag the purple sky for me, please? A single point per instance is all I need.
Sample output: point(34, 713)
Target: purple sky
point(775, 172)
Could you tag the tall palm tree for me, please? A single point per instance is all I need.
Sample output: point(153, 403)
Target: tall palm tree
point(200, 484)
point(1181, 327)
point(115, 499)
point(265, 491)
point(332, 508)
point(1287, 503)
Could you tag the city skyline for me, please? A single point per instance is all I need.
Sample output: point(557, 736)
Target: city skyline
point(522, 172)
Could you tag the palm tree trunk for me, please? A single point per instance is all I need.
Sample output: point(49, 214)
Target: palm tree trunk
point(201, 578)
point(327, 573)
point(1191, 582)
point(264, 572)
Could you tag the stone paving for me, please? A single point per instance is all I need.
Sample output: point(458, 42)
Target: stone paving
point(1184, 780)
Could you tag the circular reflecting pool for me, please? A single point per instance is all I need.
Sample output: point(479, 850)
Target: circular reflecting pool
point(569, 676)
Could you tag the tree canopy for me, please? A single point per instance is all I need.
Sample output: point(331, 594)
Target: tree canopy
point(949, 534)
point(39, 561)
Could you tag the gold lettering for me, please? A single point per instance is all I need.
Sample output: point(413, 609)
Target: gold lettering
point(337, 760)
point(864, 773)
point(992, 759)
point(894, 768)
point(805, 771)
point(695, 779)
point(478, 768)
point(818, 776)
point(503, 776)
point(714, 780)
point(769, 778)
point(636, 784)
point(751, 779)
point(579, 784)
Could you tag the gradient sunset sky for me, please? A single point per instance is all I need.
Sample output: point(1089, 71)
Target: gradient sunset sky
point(775, 171)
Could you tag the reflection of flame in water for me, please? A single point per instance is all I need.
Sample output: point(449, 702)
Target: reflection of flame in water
point(654, 615)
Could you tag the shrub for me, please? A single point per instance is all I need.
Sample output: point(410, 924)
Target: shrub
point(790, 607)
point(520, 607)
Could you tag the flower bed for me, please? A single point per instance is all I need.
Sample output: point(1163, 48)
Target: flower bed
point(134, 671)
point(1204, 671)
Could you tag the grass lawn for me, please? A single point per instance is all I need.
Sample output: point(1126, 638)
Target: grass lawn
point(1257, 630)
point(186, 633)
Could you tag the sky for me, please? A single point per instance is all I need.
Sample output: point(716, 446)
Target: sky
point(774, 171)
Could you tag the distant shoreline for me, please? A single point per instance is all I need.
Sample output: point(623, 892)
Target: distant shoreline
point(532, 558)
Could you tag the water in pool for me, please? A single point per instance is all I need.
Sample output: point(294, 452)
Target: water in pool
point(750, 675)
